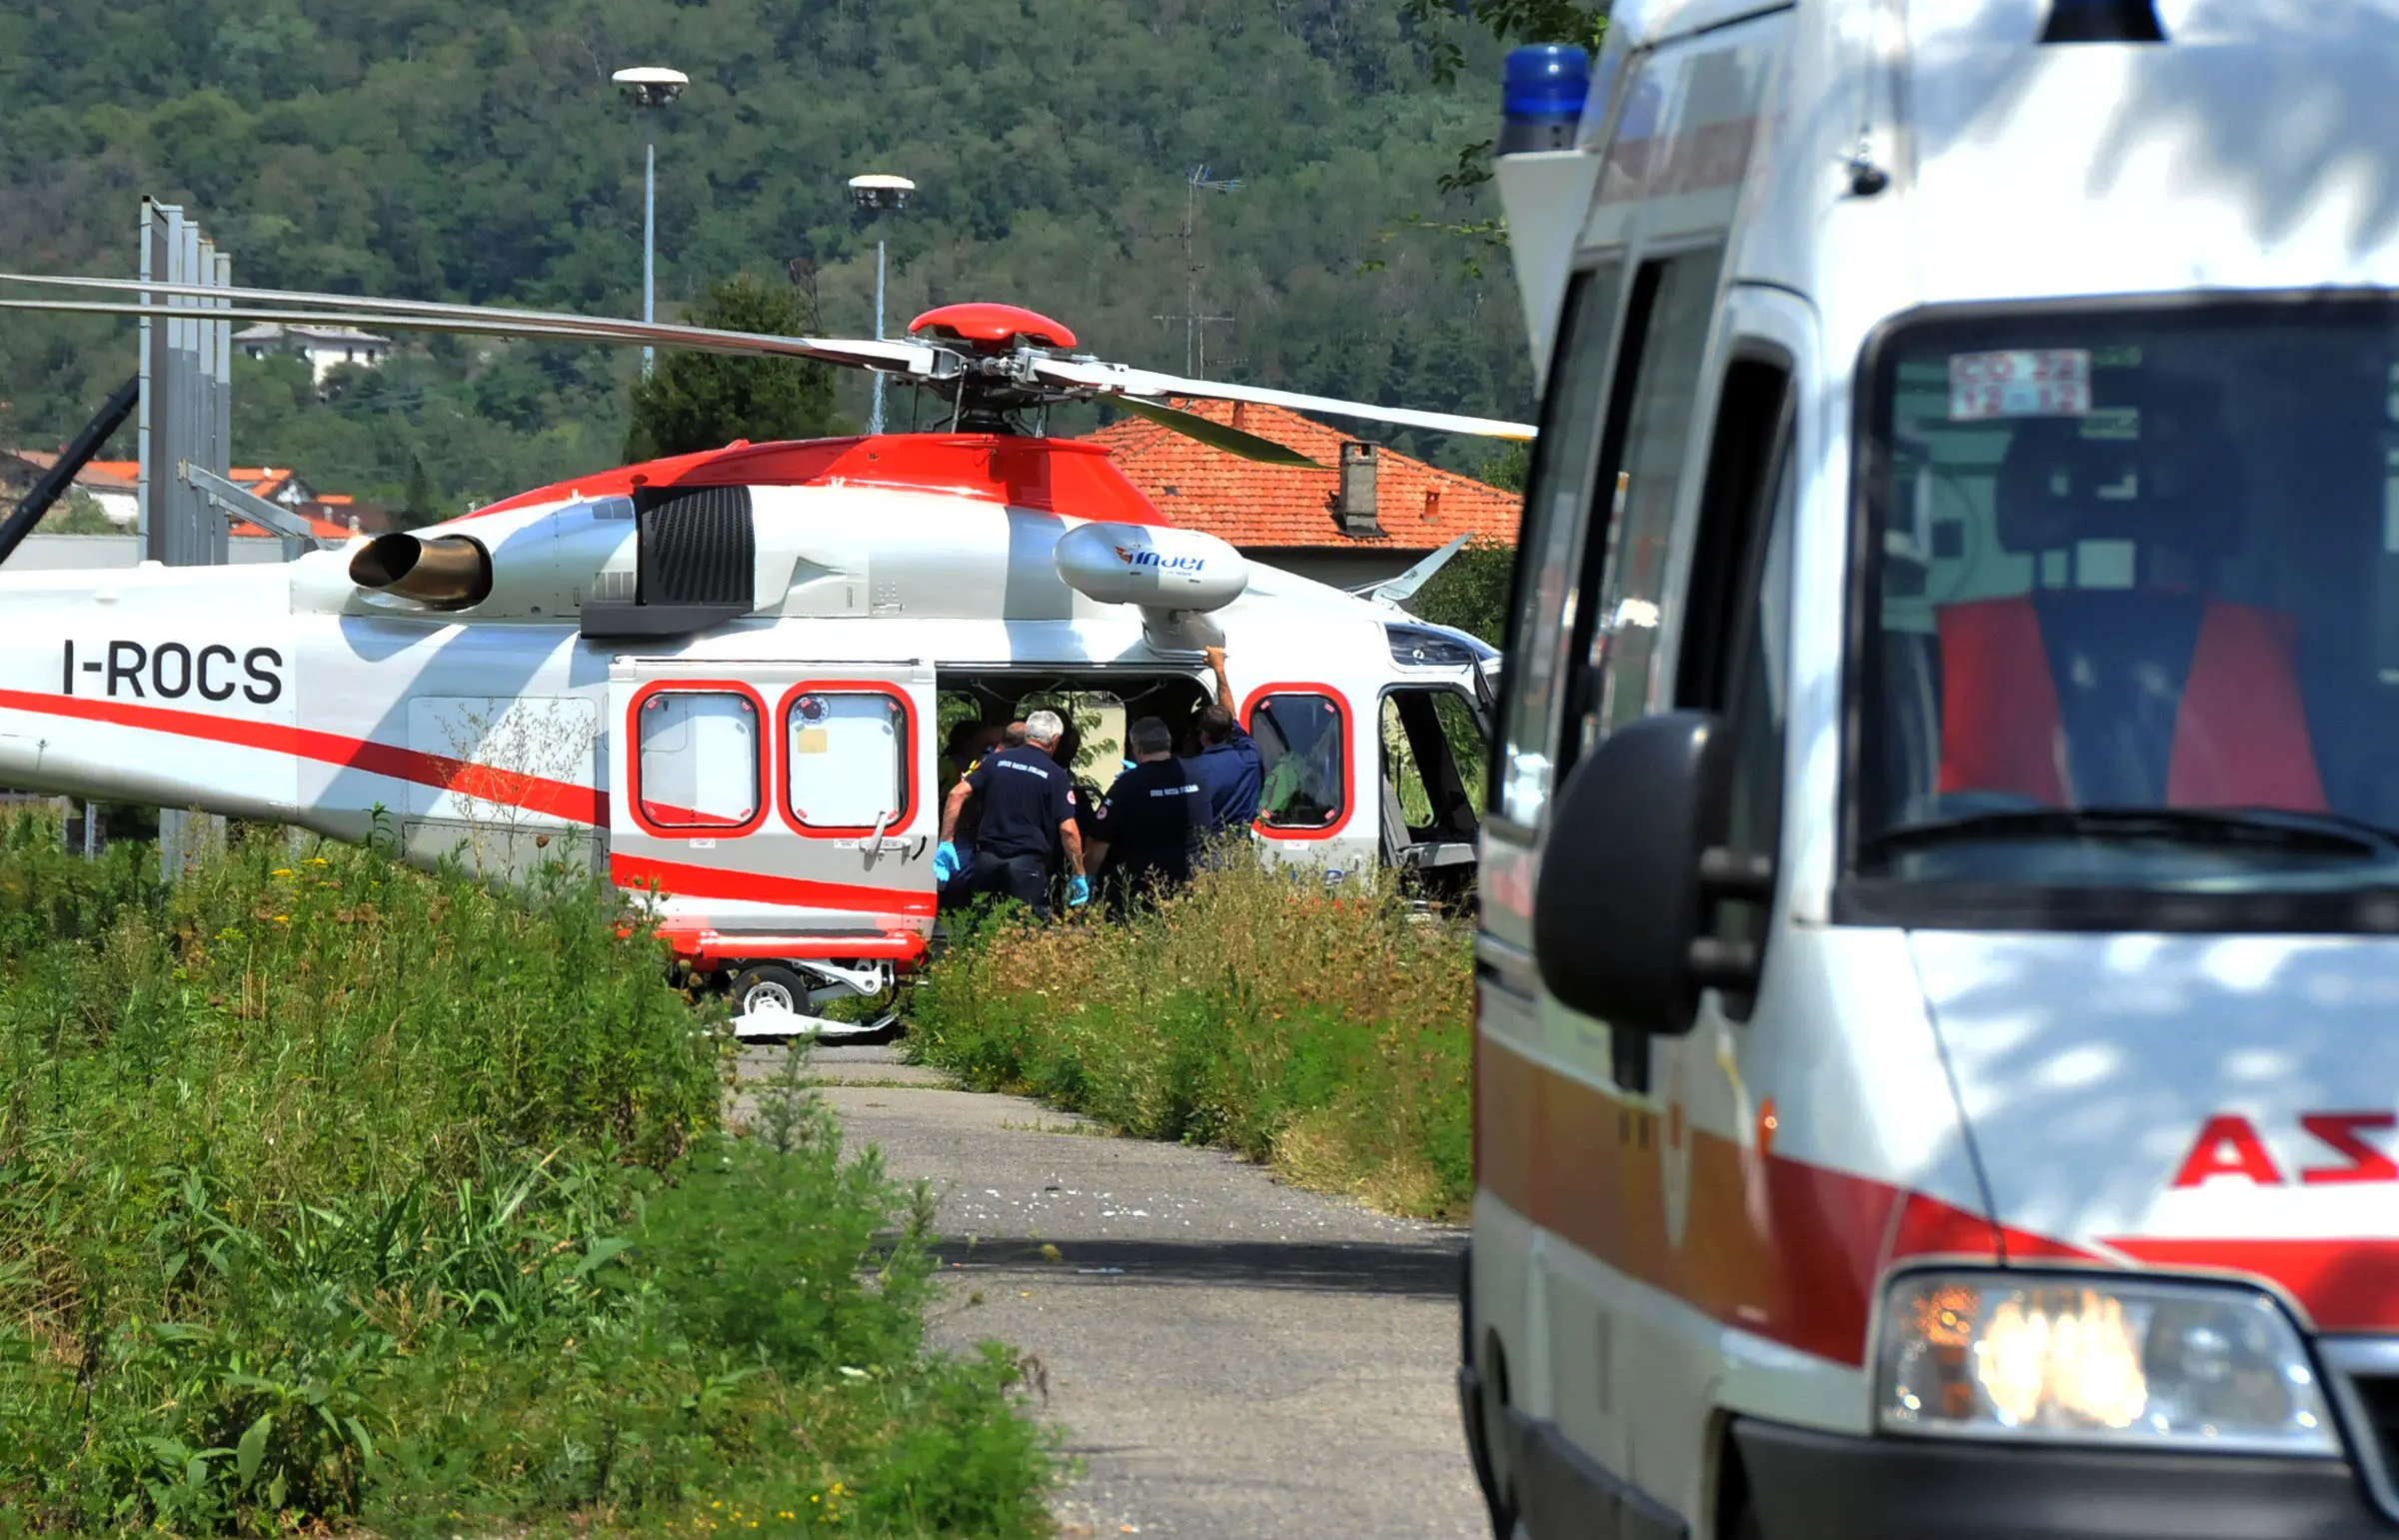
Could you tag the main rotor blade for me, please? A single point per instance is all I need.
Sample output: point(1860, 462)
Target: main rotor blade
point(891, 357)
point(1119, 380)
point(1216, 435)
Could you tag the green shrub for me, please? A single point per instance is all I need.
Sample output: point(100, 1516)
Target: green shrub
point(332, 1193)
point(1325, 1031)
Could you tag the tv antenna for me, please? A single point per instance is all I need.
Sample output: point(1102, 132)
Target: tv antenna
point(1194, 345)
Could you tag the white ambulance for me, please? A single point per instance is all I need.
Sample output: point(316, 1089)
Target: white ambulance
point(1938, 1058)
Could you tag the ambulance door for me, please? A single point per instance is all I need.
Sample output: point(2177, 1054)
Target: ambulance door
point(789, 803)
point(1730, 645)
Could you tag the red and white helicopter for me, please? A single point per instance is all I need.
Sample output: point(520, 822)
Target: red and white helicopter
point(723, 673)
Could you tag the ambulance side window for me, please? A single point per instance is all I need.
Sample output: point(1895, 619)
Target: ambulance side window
point(1736, 633)
point(1557, 515)
point(1641, 468)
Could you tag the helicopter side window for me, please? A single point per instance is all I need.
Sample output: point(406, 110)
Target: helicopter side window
point(1299, 739)
point(698, 762)
point(846, 761)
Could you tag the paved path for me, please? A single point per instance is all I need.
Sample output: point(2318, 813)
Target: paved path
point(1232, 1358)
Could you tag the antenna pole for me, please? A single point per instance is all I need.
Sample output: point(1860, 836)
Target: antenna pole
point(874, 425)
point(1191, 270)
point(1194, 345)
point(649, 243)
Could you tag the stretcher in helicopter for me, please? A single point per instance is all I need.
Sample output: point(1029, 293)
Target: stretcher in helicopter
point(729, 677)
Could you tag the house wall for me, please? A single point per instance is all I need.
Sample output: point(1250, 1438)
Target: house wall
point(1343, 569)
point(322, 357)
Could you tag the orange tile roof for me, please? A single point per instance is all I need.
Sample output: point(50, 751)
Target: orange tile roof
point(323, 529)
point(1263, 507)
point(260, 480)
point(115, 474)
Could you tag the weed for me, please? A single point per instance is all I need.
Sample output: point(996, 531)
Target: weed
point(334, 1195)
point(1325, 1031)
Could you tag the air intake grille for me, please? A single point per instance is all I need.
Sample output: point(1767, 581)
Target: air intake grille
point(698, 547)
point(2364, 1380)
point(2378, 1400)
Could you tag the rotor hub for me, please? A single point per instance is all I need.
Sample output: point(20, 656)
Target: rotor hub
point(991, 329)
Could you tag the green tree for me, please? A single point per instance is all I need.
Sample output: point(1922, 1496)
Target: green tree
point(1509, 468)
point(698, 401)
point(1512, 23)
point(1470, 591)
point(422, 506)
point(78, 513)
point(435, 150)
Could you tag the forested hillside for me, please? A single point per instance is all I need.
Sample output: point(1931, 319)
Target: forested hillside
point(445, 150)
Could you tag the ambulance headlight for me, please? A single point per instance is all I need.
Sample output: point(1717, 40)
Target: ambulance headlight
point(2097, 1360)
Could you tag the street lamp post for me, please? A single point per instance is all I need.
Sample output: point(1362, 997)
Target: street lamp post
point(877, 192)
point(648, 86)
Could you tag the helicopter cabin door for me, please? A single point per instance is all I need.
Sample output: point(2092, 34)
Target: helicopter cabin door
point(779, 810)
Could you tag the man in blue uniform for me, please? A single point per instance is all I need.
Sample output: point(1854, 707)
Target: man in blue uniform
point(1147, 827)
point(1227, 766)
point(1028, 808)
point(969, 742)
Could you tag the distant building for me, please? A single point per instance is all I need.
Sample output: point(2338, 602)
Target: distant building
point(113, 484)
point(116, 486)
point(18, 475)
point(323, 346)
point(1368, 514)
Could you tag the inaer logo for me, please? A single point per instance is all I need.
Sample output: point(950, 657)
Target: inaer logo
point(1131, 556)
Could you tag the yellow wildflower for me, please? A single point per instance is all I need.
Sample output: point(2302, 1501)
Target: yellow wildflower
point(281, 871)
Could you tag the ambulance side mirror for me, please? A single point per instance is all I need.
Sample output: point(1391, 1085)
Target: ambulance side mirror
point(1631, 871)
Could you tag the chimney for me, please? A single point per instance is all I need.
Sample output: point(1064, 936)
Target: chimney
point(1356, 503)
point(1238, 412)
point(1433, 504)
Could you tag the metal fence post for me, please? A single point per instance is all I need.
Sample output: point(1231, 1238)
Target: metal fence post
point(186, 419)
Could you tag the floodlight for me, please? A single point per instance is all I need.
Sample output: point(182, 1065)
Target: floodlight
point(648, 85)
point(878, 189)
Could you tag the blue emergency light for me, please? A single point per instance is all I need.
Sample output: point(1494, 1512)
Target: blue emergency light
point(2103, 21)
point(1541, 103)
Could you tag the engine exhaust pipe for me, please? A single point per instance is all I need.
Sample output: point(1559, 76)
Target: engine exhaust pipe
point(448, 572)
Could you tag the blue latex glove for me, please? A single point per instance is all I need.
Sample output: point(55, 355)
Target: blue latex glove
point(944, 862)
point(1078, 892)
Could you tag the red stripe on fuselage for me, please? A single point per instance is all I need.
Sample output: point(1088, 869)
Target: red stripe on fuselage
point(1060, 475)
point(535, 793)
point(688, 881)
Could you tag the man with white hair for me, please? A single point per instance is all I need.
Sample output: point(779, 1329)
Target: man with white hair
point(1027, 811)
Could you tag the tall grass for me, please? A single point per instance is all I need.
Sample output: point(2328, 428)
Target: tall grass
point(1325, 1030)
point(331, 1194)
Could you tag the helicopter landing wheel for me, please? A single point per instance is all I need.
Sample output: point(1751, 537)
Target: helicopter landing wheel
point(770, 986)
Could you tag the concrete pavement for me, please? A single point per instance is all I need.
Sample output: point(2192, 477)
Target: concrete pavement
point(1230, 1358)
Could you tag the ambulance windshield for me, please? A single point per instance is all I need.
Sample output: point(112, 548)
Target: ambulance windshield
point(2133, 592)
